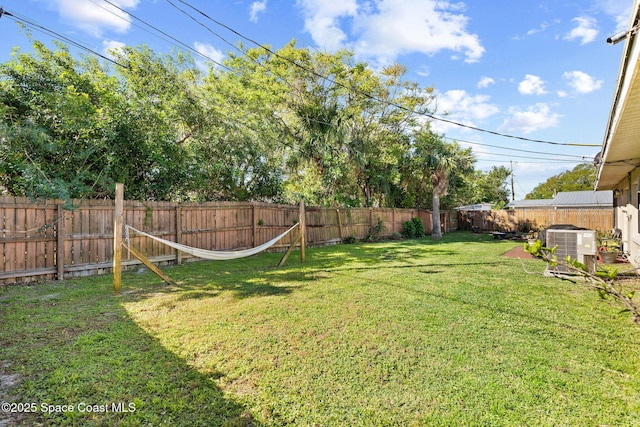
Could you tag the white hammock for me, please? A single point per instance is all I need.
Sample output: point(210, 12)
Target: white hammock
point(213, 255)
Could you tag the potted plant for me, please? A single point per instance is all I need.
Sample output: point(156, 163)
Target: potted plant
point(531, 237)
point(608, 248)
point(608, 254)
point(533, 234)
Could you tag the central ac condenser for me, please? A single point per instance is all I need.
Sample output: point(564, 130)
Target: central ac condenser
point(578, 244)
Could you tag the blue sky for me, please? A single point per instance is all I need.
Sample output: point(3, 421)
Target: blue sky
point(539, 70)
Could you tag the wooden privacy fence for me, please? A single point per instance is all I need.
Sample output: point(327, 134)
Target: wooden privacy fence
point(41, 240)
point(534, 219)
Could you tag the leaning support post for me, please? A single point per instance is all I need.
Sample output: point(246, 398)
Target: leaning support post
point(303, 227)
point(293, 245)
point(117, 238)
point(151, 266)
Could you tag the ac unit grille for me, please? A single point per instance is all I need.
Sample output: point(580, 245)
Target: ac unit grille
point(567, 244)
point(578, 244)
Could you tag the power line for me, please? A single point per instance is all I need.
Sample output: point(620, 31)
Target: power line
point(188, 47)
point(533, 158)
point(161, 32)
point(558, 162)
point(27, 22)
point(267, 49)
point(585, 158)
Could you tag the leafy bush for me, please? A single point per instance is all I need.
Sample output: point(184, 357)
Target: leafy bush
point(413, 228)
point(376, 231)
point(409, 229)
point(349, 240)
point(419, 226)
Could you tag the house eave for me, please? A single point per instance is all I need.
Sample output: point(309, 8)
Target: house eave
point(620, 153)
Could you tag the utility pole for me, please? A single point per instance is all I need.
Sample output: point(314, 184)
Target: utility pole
point(513, 195)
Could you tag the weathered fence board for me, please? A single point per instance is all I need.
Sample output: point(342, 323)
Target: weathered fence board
point(534, 219)
point(41, 240)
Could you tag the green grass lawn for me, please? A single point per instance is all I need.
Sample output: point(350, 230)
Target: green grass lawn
point(401, 333)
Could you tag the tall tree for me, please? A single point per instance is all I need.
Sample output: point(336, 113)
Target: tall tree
point(158, 115)
point(346, 126)
point(267, 126)
point(55, 136)
point(479, 187)
point(438, 160)
point(74, 127)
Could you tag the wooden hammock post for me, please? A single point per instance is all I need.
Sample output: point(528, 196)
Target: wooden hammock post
point(299, 239)
point(117, 238)
point(303, 226)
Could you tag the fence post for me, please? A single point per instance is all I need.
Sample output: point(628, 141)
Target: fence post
point(60, 242)
point(393, 220)
point(370, 220)
point(254, 226)
point(178, 234)
point(303, 226)
point(117, 238)
point(339, 225)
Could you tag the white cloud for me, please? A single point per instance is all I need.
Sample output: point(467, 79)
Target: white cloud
point(209, 51)
point(586, 30)
point(257, 7)
point(582, 82)
point(462, 107)
point(388, 28)
point(424, 71)
point(531, 85)
point(111, 45)
point(540, 29)
point(536, 117)
point(485, 82)
point(92, 18)
point(619, 10)
point(322, 20)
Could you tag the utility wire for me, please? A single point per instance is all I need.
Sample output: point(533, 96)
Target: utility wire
point(230, 44)
point(567, 162)
point(585, 158)
point(161, 32)
point(51, 32)
point(534, 158)
point(21, 19)
point(373, 98)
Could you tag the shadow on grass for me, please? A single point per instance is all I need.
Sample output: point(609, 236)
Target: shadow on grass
point(417, 265)
point(195, 284)
point(405, 250)
point(259, 275)
point(86, 351)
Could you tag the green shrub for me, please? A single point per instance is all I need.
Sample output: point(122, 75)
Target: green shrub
point(349, 240)
point(419, 226)
point(376, 231)
point(413, 228)
point(409, 229)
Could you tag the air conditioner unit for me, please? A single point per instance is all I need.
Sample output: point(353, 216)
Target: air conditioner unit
point(579, 244)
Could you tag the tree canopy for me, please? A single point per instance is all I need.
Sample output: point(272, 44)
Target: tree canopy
point(265, 126)
point(580, 178)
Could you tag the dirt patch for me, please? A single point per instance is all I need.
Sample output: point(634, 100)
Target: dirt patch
point(7, 383)
point(518, 252)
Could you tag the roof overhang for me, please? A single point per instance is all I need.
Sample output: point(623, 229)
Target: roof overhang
point(621, 146)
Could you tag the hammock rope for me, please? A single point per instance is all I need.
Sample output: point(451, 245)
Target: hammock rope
point(207, 254)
